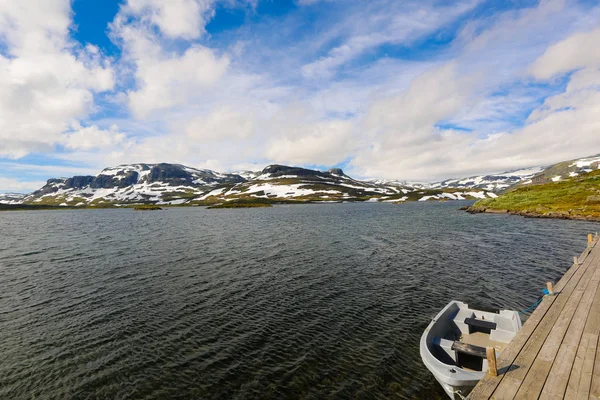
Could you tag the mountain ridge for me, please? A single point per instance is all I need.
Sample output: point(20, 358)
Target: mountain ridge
point(177, 184)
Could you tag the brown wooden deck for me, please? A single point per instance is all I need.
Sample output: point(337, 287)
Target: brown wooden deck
point(556, 354)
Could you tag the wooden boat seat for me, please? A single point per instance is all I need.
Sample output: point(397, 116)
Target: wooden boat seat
point(479, 323)
point(469, 349)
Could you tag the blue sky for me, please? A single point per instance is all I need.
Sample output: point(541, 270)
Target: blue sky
point(415, 90)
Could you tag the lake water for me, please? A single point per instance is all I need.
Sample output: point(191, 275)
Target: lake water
point(310, 302)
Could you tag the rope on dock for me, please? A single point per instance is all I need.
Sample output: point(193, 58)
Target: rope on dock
point(537, 303)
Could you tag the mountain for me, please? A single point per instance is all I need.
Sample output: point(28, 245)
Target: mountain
point(567, 169)
point(135, 183)
point(178, 184)
point(11, 198)
point(509, 180)
point(577, 197)
point(493, 182)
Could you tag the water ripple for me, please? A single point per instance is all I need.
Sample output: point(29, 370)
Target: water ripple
point(305, 302)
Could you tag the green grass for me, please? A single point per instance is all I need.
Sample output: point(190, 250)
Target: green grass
point(572, 198)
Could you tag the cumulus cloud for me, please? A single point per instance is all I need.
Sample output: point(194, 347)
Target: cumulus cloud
point(577, 51)
point(490, 100)
point(404, 133)
point(176, 18)
point(223, 123)
point(166, 79)
point(46, 81)
point(17, 186)
point(92, 137)
point(320, 143)
point(169, 81)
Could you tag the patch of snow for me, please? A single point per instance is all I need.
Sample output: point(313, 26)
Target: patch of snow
point(286, 190)
point(526, 172)
point(450, 196)
point(586, 162)
point(215, 192)
point(556, 178)
point(425, 198)
point(573, 174)
point(477, 195)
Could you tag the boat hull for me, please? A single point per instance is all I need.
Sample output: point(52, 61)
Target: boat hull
point(442, 358)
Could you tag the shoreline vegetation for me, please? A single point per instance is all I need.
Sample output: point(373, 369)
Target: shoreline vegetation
point(147, 207)
point(241, 203)
point(575, 198)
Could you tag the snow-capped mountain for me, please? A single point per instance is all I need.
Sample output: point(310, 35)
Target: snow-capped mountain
point(568, 169)
point(492, 182)
point(136, 183)
point(178, 184)
point(11, 198)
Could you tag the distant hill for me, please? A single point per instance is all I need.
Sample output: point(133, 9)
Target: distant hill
point(567, 169)
point(577, 197)
point(181, 185)
point(11, 198)
point(177, 184)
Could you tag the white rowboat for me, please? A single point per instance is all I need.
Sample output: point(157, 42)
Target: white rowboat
point(453, 347)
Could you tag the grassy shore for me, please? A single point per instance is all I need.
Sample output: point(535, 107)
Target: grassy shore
point(146, 207)
point(574, 198)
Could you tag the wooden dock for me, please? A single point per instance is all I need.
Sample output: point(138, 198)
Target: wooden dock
point(556, 354)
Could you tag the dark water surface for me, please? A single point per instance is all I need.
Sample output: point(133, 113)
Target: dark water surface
point(311, 302)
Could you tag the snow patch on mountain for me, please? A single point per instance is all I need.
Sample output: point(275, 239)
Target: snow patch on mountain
point(587, 162)
point(11, 198)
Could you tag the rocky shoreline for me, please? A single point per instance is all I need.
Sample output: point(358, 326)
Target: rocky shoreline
point(532, 214)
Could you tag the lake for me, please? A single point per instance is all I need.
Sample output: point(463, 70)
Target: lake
point(300, 301)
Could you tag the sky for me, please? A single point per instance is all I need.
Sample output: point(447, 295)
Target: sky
point(418, 90)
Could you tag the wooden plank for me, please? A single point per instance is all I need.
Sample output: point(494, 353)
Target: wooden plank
point(567, 283)
point(581, 374)
point(531, 386)
point(515, 377)
point(595, 386)
point(480, 323)
point(491, 359)
point(564, 365)
point(469, 349)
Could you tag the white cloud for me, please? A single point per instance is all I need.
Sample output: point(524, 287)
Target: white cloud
point(166, 79)
point(184, 19)
point(404, 142)
point(577, 51)
point(389, 22)
point(296, 138)
point(168, 82)
point(16, 186)
point(92, 137)
point(223, 123)
point(46, 81)
point(249, 97)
